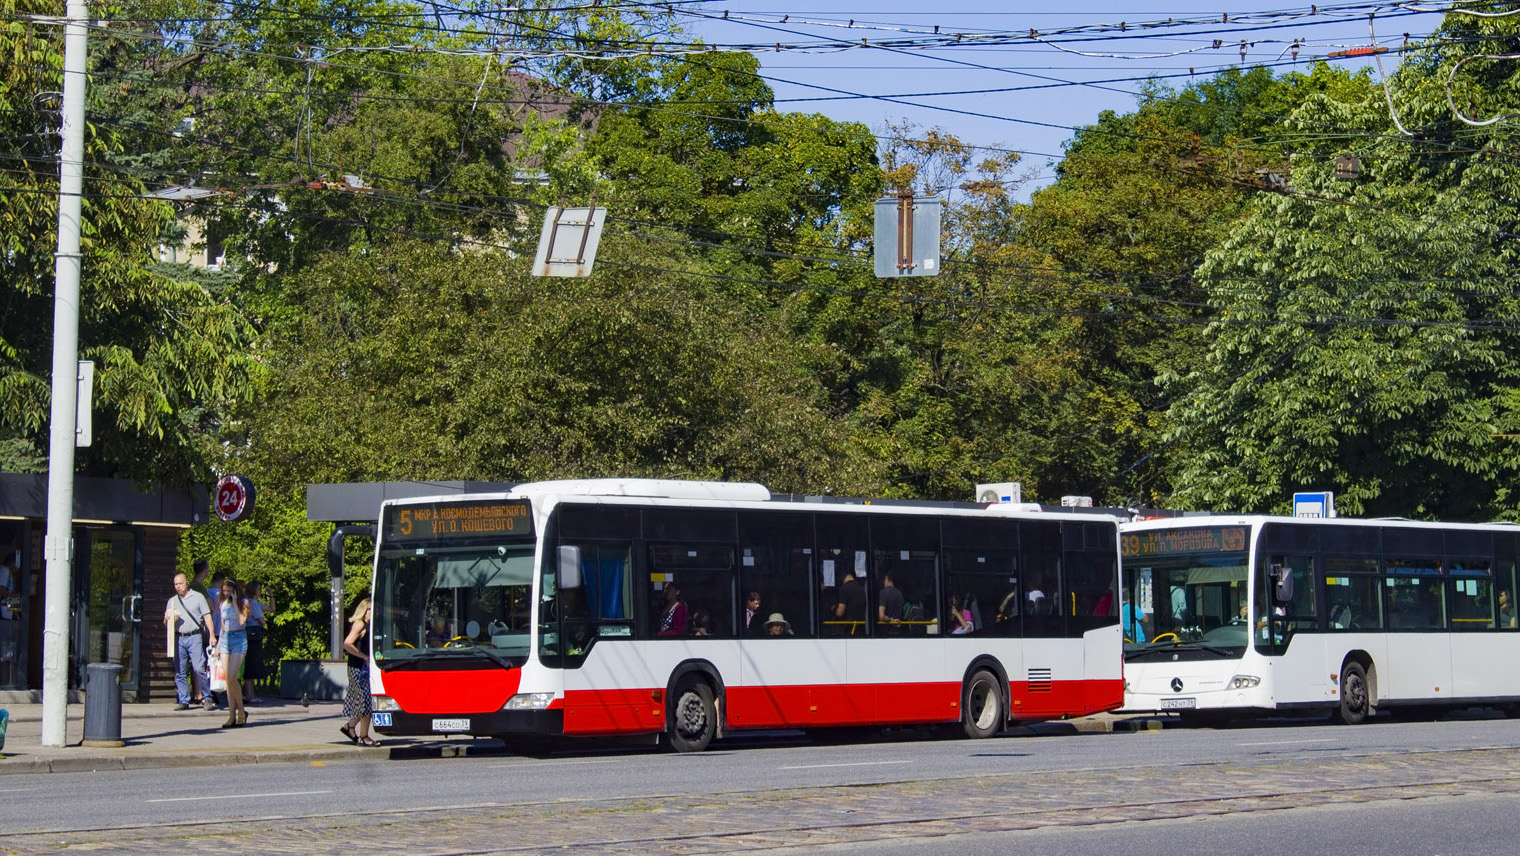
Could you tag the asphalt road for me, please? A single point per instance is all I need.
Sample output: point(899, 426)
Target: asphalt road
point(1284, 788)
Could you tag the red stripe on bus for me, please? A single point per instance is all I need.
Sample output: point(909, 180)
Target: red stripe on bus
point(598, 712)
point(462, 692)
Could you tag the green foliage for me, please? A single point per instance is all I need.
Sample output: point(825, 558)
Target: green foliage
point(168, 352)
point(1365, 339)
point(287, 554)
point(424, 364)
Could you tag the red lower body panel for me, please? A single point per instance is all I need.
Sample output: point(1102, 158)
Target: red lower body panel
point(600, 712)
point(452, 692)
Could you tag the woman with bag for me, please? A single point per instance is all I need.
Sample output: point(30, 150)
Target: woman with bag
point(356, 700)
point(232, 644)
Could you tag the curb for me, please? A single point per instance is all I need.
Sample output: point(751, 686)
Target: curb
point(129, 760)
point(1140, 724)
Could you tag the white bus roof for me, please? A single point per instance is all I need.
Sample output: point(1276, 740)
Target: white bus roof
point(1257, 519)
point(679, 490)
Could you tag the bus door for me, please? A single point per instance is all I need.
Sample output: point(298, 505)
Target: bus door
point(1284, 627)
point(1470, 604)
point(1419, 646)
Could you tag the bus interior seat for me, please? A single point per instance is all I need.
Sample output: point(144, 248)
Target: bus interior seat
point(1340, 616)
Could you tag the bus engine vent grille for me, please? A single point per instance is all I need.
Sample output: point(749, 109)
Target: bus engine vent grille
point(1039, 680)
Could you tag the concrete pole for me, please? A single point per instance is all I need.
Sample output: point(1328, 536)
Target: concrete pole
point(60, 520)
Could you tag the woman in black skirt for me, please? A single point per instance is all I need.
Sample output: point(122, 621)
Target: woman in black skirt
point(356, 701)
point(253, 663)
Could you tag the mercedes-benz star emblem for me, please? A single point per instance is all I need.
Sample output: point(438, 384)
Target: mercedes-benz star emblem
point(1176, 685)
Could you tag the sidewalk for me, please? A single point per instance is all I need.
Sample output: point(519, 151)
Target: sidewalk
point(281, 731)
point(155, 735)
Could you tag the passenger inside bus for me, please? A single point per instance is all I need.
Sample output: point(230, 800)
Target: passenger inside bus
point(960, 619)
point(701, 623)
point(1007, 619)
point(1136, 623)
point(438, 634)
point(777, 625)
point(1039, 604)
point(672, 618)
point(1507, 617)
point(851, 609)
point(754, 624)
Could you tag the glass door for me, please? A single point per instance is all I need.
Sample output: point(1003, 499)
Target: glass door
point(109, 574)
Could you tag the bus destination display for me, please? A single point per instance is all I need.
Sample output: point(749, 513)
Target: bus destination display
point(1168, 542)
point(458, 520)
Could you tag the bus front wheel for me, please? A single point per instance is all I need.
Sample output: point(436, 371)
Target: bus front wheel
point(982, 705)
point(693, 719)
point(1355, 699)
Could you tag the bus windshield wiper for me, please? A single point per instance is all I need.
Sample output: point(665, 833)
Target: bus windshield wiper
point(1221, 650)
point(471, 650)
point(422, 658)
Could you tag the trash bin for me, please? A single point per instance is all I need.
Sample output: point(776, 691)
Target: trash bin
point(102, 705)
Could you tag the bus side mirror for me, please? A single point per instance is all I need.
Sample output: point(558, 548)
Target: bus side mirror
point(568, 574)
point(1282, 582)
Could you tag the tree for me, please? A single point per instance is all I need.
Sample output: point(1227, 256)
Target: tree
point(169, 353)
point(1364, 338)
point(421, 363)
point(1140, 200)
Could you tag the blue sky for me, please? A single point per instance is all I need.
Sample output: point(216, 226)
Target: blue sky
point(1028, 94)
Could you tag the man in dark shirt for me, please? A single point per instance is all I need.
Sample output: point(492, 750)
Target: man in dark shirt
point(889, 604)
point(852, 604)
point(754, 623)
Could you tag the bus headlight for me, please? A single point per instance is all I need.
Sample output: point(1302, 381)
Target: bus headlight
point(1244, 682)
point(528, 701)
point(385, 702)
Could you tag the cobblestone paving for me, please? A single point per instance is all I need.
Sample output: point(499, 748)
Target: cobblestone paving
point(738, 822)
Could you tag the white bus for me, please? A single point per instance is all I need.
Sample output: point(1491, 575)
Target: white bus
point(1233, 615)
point(618, 607)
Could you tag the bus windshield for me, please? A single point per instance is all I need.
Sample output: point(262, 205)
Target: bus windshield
point(1190, 602)
point(467, 602)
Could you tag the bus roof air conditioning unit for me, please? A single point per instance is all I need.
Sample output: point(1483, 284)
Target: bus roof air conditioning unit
point(1000, 492)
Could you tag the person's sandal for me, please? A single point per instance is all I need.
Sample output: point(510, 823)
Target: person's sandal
point(367, 741)
point(349, 733)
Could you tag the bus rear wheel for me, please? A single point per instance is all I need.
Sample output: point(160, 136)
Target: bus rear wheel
point(693, 719)
point(1355, 699)
point(981, 705)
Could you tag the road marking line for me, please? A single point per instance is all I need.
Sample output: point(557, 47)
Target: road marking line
point(1289, 742)
point(857, 764)
point(565, 763)
point(238, 796)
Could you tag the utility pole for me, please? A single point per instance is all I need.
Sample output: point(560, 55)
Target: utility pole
point(59, 546)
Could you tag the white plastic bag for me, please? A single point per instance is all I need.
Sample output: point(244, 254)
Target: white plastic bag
point(218, 669)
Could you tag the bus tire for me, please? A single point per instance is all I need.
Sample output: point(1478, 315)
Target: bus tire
point(981, 705)
point(693, 718)
point(1355, 699)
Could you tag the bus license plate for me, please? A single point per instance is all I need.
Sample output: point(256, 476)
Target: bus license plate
point(380, 720)
point(1179, 703)
point(451, 725)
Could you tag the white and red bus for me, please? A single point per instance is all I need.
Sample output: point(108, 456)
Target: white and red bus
point(1229, 615)
point(551, 610)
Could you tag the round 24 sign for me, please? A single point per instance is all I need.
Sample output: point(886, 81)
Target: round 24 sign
point(233, 499)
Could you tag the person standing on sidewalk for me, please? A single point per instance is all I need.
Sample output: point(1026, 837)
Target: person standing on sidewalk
point(253, 664)
point(234, 644)
point(356, 699)
point(186, 615)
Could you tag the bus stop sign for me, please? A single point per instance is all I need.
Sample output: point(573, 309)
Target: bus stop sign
point(1319, 504)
